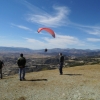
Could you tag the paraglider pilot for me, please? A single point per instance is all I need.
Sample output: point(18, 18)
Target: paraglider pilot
point(46, 50)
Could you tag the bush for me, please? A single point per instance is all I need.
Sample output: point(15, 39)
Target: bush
point(75, 64)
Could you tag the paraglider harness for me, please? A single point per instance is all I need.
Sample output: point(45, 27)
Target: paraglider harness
point(46, 50)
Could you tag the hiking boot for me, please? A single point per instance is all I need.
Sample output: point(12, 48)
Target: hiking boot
point(24, 79)
point(20, 79)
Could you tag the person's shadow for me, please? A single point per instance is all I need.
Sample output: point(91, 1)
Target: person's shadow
point(73, 74)
point(36, 80)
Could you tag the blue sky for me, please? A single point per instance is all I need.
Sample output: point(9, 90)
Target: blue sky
point(76, 23)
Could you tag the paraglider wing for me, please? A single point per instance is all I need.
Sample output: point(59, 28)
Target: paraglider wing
point(48, 30)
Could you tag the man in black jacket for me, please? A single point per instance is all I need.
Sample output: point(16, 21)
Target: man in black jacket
point(1, 66)
point(21, 63)
point(61, 62)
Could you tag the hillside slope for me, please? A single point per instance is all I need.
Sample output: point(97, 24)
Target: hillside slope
point(77, 83)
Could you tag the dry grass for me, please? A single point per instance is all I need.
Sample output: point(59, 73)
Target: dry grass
point(21, 98)
point(77, 83)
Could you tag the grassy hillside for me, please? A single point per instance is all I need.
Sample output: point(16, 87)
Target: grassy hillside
point(77, 83)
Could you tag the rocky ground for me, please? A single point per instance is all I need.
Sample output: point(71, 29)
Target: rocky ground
point(77, 83)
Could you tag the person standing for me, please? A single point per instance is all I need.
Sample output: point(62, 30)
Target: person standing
point(1, 66)
point(21, 63)
point(61, 62)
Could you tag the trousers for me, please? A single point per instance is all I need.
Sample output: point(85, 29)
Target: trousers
point(21, 73)
point(1, 73)
point(60, 68)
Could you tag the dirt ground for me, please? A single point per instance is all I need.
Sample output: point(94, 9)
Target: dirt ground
point(76, 83)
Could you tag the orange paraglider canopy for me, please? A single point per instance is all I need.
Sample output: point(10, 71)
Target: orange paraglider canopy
point(48, 30)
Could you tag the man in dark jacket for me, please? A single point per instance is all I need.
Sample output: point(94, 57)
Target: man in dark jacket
point(61, 62)
point(21, 63)
point(1, 66)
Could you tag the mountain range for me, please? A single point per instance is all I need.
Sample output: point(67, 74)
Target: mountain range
point(55, 51)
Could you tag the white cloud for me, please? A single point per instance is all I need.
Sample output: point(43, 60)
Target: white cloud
point(93, 32)
point(58, 17)
point(93, 39)
point(60, 41)
point(22, 27)
point(85, 26)
point(38, 15)
point(51, 20)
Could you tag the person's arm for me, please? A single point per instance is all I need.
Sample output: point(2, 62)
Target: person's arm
point(25, 60)
point(18, 61)
point(2, 64)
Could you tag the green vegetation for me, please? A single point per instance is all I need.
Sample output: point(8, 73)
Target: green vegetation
point(79, 61)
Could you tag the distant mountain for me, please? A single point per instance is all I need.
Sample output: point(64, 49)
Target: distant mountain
point(75, 52)
point(14, 50)
point(55, 51)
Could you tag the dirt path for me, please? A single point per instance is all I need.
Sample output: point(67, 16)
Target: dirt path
point(77, 83)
